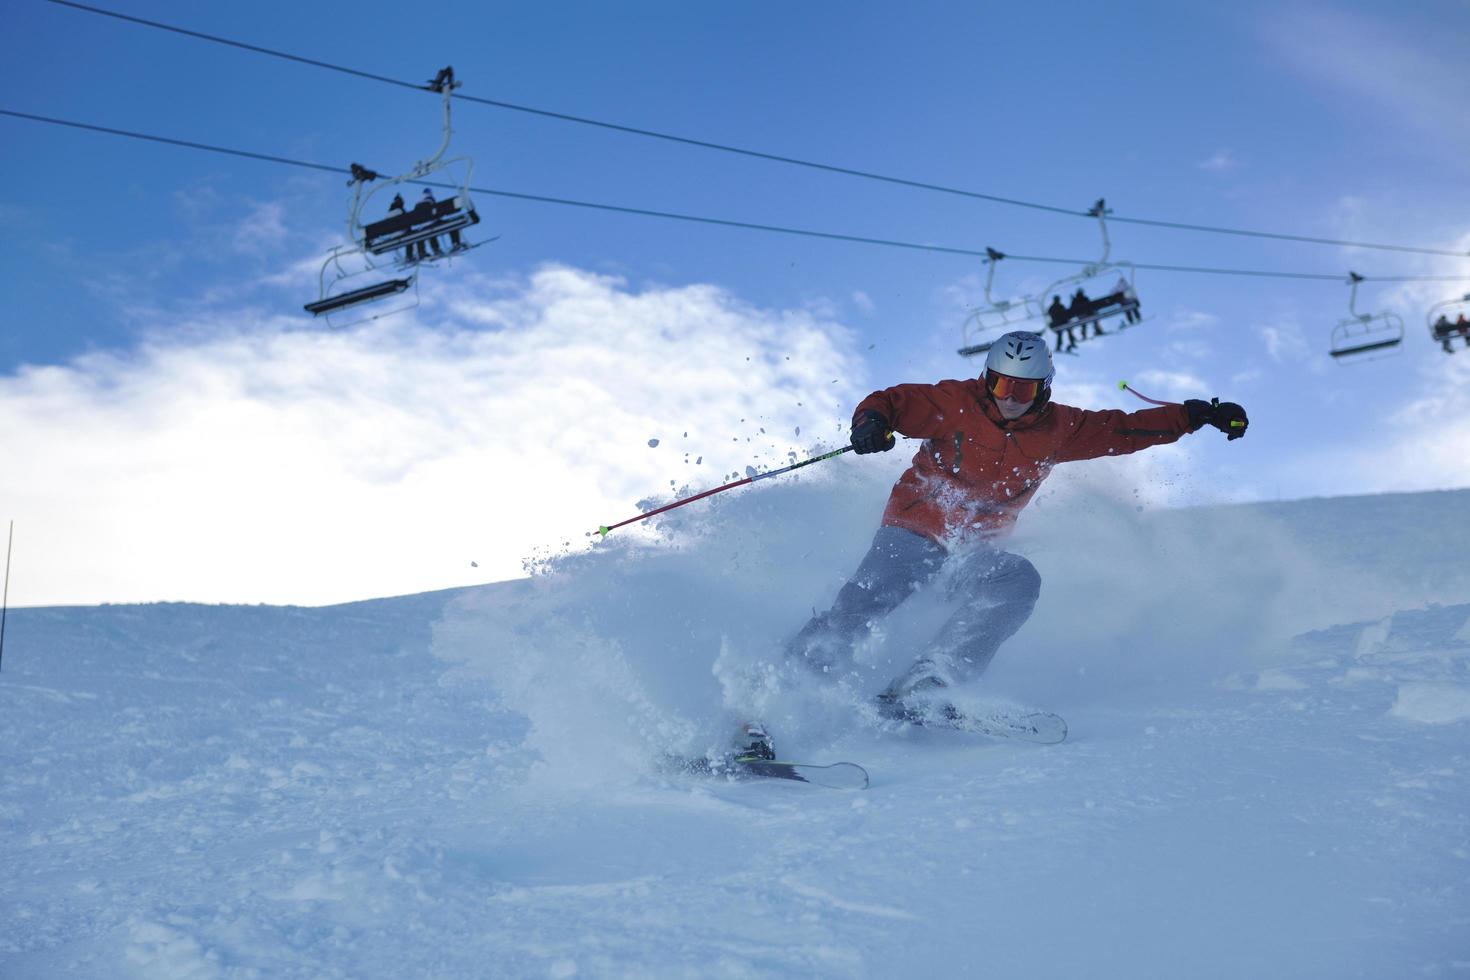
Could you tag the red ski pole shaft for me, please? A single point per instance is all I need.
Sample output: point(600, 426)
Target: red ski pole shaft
point(729, 486)
point(1123, 385)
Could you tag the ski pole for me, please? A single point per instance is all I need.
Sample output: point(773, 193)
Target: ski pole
point(1234, 424)
point(1123, 386)
point(729, 486)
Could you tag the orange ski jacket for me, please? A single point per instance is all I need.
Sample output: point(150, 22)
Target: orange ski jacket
point(976, 471)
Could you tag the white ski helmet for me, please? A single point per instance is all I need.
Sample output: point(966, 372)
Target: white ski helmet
point(1021, 354)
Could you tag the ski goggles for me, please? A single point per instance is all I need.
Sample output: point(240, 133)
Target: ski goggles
point(1017, 389)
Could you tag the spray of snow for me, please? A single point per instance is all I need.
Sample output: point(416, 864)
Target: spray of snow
point(668, 634)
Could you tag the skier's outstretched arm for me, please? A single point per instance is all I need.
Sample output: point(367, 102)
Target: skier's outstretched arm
point(915, 410)
point(1116, 433)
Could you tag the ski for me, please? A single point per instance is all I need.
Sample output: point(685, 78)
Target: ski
point(1041, 727)
point(835, 775)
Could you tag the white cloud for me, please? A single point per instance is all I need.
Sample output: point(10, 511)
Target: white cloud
point(863, 302)
point(1190, 350)
point(263, 228)
point(1222, 162)
point(1175, 385)
point(1192, 320)
point(956, 299)
point(1284, 341)
point(1425, 443)
point(1249, 376)
point(198, 198)
point(270, 461)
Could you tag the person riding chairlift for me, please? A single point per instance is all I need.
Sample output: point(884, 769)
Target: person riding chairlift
point(395, 210)
point(1081, 308)
point(424, 211)
point(426, 203)
point(1056, 318)
point(1124, 296)
point(1443, 330)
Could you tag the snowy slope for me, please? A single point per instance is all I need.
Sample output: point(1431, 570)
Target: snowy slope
point(1267, 774)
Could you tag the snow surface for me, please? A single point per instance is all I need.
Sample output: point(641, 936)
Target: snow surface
point(1266, 774)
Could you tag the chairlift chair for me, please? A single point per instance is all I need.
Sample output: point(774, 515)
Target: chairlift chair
point(986, 324)
point(420, 222)
point(1102, 306)
point(1448, 320)
point(399, 235)
point(1363, 334)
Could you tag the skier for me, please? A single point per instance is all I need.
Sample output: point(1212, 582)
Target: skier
point(988, 444)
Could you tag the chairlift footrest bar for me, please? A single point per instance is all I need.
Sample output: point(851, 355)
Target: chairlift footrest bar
point(367, 294)
point(1365, 348)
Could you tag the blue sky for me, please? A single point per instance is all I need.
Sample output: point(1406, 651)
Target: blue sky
point(183, 431)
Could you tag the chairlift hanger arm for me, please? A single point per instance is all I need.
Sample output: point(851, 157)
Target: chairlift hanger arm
point(1100, 210)
point(992, 257)
point(1090, 270)
point(1354, 279)
point(445, 85)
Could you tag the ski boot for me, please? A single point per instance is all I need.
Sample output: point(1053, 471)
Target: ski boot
point(911, 696)
point(753, 744)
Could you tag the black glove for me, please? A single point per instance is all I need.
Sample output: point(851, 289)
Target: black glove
point(1228, 417)
point(871, 434)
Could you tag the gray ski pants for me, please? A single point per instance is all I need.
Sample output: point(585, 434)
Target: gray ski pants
point(999, 590)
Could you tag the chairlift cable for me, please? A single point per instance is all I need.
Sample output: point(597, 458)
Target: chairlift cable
point(187, 144)
point(235, 44)
point(702, 219)
point(758, 154)
point(1204, 270)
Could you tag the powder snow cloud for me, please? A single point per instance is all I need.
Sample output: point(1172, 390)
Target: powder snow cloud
point(245, 459)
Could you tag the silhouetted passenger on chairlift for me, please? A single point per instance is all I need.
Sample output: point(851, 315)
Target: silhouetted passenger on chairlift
point(395, 210)
point(1056, 313)
point(1127, 299)
point(1080, 309)
point(1056, 318)
point(1462, 327)
point(424, 211)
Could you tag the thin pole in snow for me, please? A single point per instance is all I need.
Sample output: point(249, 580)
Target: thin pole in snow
point(5, 602)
